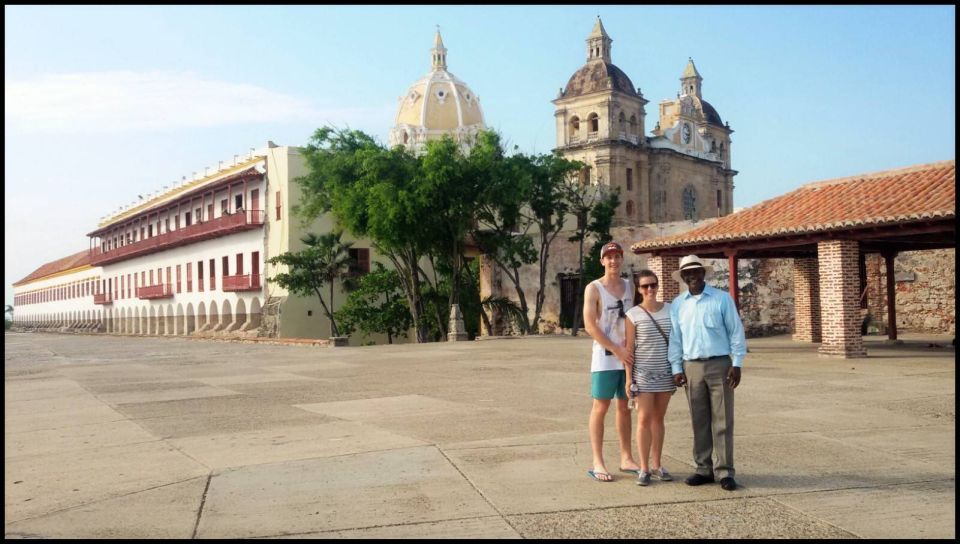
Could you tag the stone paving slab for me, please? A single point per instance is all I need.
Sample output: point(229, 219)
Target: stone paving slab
point(73, 438)
point(166, 511)
point(264, 377)
point(180, 393)
point(33, 390)
point(90, 414)
point(215, 415)
point(45, 483)
point(275, 445)
point(477, 424)
point(920, 510)
point(934, 444)
point(348, 492)
point(375, 409)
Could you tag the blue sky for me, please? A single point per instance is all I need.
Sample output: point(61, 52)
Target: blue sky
point(104, 103)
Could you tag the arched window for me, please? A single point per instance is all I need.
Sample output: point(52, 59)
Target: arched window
point(593, 120)
point(629, 208)
point(623, 123)
point(575, 127)
point(633, 125)
point(406, 137)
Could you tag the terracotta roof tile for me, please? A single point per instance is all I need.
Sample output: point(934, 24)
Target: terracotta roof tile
point(904, 195)
point(73, 261)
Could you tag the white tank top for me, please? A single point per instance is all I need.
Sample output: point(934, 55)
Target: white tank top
point(611, 324)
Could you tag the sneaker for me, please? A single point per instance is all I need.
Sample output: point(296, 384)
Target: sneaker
point(662, 474)
point(643, 478)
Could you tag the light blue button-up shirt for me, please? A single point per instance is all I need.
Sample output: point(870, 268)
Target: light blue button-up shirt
point(708, 327)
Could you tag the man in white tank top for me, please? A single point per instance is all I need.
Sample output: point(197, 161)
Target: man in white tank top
point(605, 302)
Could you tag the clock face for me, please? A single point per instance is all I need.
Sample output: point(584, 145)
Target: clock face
point(686, 133)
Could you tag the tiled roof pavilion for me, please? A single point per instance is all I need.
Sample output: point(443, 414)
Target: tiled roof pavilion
point(894, 210)
point(826, 227)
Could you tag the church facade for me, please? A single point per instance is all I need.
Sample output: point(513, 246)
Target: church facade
point(681, 171)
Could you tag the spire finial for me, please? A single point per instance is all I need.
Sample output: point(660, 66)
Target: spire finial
point(438, 54)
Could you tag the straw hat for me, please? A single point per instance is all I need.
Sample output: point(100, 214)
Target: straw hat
point(690, 262)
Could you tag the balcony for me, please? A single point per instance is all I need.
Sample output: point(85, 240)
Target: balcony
point(242, 283)
point(221, 226)
point(592, 136)
point(102, 298)
point(148, 292)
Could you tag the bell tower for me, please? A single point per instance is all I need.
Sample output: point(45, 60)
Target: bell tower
point(598, 43)
point(691, 82)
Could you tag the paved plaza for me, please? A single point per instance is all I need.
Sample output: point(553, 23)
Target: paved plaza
point(109, 436)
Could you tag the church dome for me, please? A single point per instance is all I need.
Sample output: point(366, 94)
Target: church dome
point(711, 114)
point(598, 76)
point(437, 104)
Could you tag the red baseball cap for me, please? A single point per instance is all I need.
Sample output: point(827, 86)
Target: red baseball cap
point(610, 247)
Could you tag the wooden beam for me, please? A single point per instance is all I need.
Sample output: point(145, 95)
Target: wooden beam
point(734, 283)
point(891, 296)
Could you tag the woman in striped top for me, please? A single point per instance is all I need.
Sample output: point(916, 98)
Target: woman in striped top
point(649, 380)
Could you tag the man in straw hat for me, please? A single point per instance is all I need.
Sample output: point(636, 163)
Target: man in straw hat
point(706, 352)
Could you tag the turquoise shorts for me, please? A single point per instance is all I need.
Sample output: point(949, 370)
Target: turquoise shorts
point(605, 384)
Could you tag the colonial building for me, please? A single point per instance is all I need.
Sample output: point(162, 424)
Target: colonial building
point(681, 171)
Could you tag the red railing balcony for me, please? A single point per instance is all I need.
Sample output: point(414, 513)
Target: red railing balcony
point(250, 282)
point(163, 290)
point(212, 228)
point(102, 298)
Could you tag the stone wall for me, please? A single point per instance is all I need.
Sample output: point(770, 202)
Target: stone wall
point(926, 291)
point(766, 293)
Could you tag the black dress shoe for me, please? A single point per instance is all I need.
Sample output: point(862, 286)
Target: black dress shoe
point(698, 479)
point(728, 483)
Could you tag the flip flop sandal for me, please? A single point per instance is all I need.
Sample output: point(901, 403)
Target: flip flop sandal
point(595, 474)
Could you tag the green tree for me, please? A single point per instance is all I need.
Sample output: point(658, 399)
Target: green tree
point(451, 182)
point(518, 217)
point(376, 305)
point(323, 261)
point(549, 207)
point(594, 207)
point(373, 193)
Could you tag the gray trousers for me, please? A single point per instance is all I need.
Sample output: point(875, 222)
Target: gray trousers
point(711, 410)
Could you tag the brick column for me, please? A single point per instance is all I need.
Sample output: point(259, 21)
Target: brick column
point(663, 267)
point(806, 301)
point(839, 299)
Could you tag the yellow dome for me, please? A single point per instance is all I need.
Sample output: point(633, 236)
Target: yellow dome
point(435, 105)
